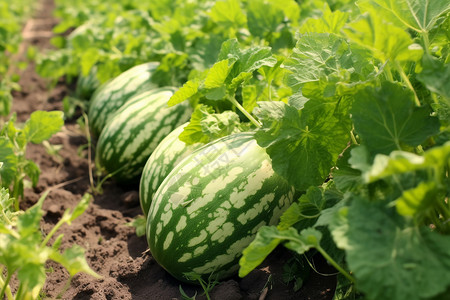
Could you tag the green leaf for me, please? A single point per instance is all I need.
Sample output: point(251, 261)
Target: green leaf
point(326, 57)
point(219, 125)
point(399, 162)
point(28, 222)
point(345, 177)
point(8, 162)
point(140, 225)
point(188, 90)
point(264, 17)
point(330, 22)
point(81, 207)
point(308, 209)
point(435, 75)
point(419, 15)
point(193, 132)
point(300, 243)
point(417, 200)
point(266, 240)
point(206, 126)
point(228, 14)
point(251, 59)
point(249, 97)
point(304, 144)
point(74, 261)
point(217, 74)
point(384, 40)
point(416, 260)
point(337, 221)
point(89, 58)
point(386, 119)
point(42, 125)
point(216, 93)
point(33, 171)
point(33, 276)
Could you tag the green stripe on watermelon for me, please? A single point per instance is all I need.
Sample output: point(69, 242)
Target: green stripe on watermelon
point(165, 157)
point(211, 205)
point(135, 130)
point(109, 97)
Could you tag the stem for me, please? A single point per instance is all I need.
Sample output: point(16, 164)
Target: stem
point(246, 113)
point(389, 73)
point(16, 194)
point(52, 232)
point(6, 289)
point(335, 264)
point(426, 42)
point(407, 82)
point(434, 97)
point(352, 135)
point(88, 136)
point(205, 289)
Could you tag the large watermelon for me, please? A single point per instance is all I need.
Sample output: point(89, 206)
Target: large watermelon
point(134, 131)
point(109, 97)
point(165, 157)
point(209, 208)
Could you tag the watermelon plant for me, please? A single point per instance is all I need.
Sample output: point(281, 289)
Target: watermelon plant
point(210, 206)
point(361, 96)
point(14, 166)
point(135, 130)
point(12, 18)
point(24, 250)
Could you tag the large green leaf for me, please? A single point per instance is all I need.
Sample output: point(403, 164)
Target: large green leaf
point(419, 15)
point(330, 22)
point(383, 39)
point(386, 119)
point(263, 17)
point(304, 144)
point(321, 63)
point(391, 260)
point(435, 75)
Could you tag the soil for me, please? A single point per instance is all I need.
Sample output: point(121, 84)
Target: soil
point(112, 248)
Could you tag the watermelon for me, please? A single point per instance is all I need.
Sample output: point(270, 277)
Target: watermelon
point(109, 97)
point(165, 157)
point(209, 208)
point(86, 85)
point(134, 131)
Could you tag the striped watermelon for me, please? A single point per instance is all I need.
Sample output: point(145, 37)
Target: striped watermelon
point(86, 85)
point(209, 208)
point(165, 157)
point(134, 131)
point(109, 97)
